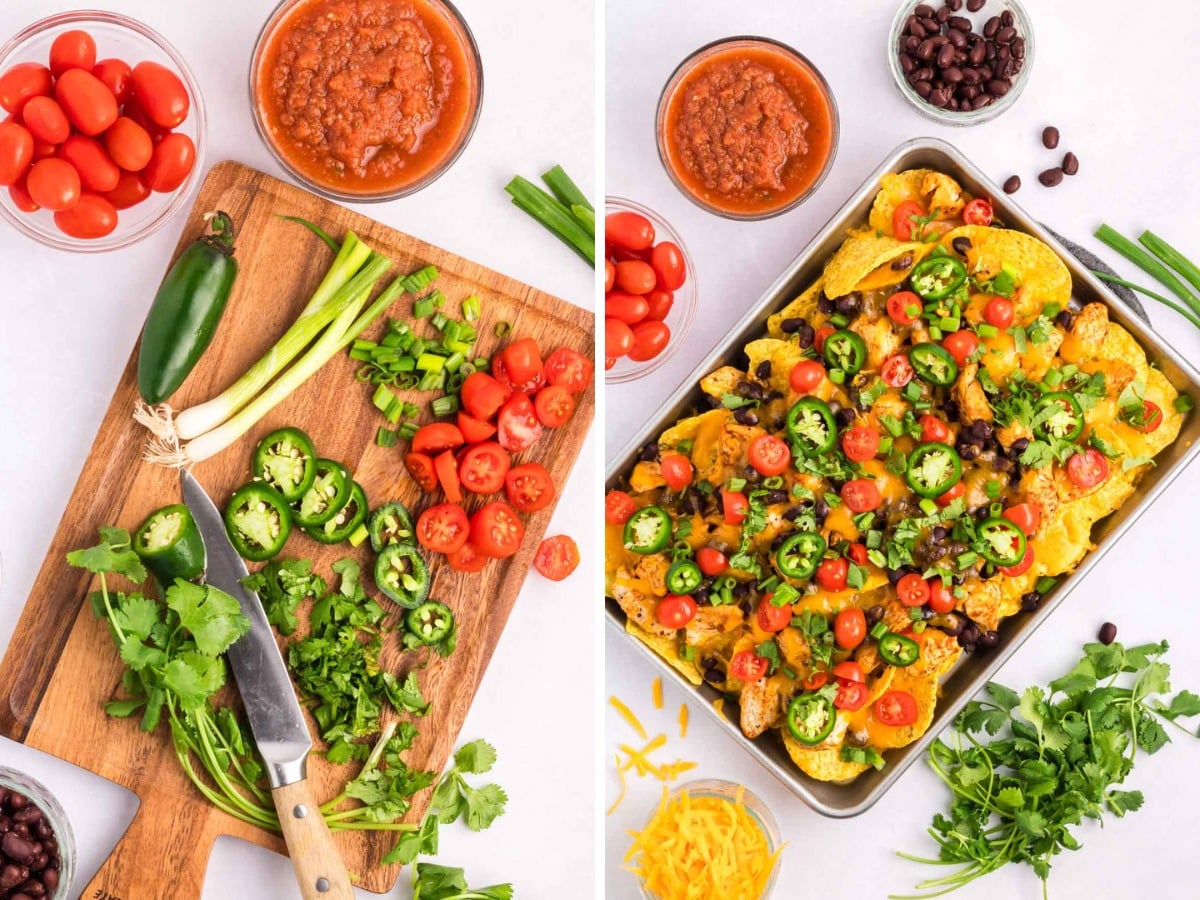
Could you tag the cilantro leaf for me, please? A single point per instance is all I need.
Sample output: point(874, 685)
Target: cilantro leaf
point(212, 616)
point(113, 554)
point(475, 758)
point(282, 585)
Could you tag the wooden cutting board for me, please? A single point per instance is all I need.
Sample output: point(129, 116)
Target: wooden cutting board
point(61, 666)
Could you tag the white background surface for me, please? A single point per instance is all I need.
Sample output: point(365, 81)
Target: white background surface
point(68, 323)
point(1136, 139)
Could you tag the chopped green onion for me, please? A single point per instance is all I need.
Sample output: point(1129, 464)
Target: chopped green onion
point(407, 430)
point(385, 437)
point(502, 329)
point(1184, 404)
point(984, 330)
point(445, 406)
point(358, 535)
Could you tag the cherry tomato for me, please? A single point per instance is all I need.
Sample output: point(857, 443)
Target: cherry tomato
point(436, 437)
point(897, 371)
point(482, 395)
point(420, 467)
point(1151, 417)
point(135, 112)
point(45, 120)
point(1020, 568)
point(629, 308)
point(769, 455)
point(53, 184)
point(20, 196)
point(941, 599)
point(554, 406)
point(1086, 469)
point(523, 363)
point(669, 267)
point(518, 427)
point(73, 49)
point(635, 277)
point(861, 495)
point(951, 494)
point(530, 488)
point(675, 610)
point(92, 217)
point(903, 226)
point(446, 467)
point(815, 681)
point(23, 81)
point(89, 105)
point(711, 561)
point(978, 212)
point(443, 528)
point(650, 338)
point(999, 312)
point(819, 338)
point(610, 276)
point(899, 304)
point(97, 171)
point(857, 554)
point(474, 431)
point(116, 75)
point(831, 573)
point(677, 471)
point(570, 369)
point(913, 590)
point(860, 443)
point(806, 376)
point(497, 530)
point(747, 665)
point(557, 557)
point(467, 558)
point(897, 708)
point(850, 628)
point(483, 468)
point(160, 94)
point(16, 152)
point(933, 429)
point(609, 362)
point(618, 337)
point(628, 230)
point(960, 345)
point(851, 695)
point(128, 144)
point(735, 506)
point(171, 163)
point(849, 670)
point(773, 618)
point(660, 303)
point(618, 507)
point(1026, 516)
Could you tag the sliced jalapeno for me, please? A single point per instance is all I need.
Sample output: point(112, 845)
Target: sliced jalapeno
point(937, 277)
point(402, 576)
point(683, 577)
point(933, 469)
point(648, 530)
point(430, 622)
point(286, 460)
point(845, 350)
point(811, 426)
point(811, 717)
point(899, 650)
point(352, 514)
point(933, 363)
point(1001, 542)
point(391, 524)
point(1058, 415)
point(330, 491)
point(800, 554)
point(170, 545)
point(258, 521)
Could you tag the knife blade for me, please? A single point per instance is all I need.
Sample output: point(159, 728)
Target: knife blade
point(273, 711)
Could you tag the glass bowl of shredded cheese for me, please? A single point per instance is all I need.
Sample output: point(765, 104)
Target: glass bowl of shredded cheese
point(714, 834)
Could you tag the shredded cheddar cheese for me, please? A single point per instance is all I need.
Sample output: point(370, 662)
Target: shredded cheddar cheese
point(624, 786)
point(628, 716)
point(683, 720)
point(639, 761)
point(657, 693)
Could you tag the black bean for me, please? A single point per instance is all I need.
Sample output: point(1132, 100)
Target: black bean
point(966, 450)
point(989, 639)
point(806, 335)
point(692, 503)
point(945, 56)
point(938, 534)
point(763, 370)
point(1012, 184)
point(923, 89)
point(977, 54)
point(874, 614)
point(955, 5)
point(913, 26)
point(1005, 35)
point(776, 496)
point(712, 676)
point(981, 101)
point(1031, 601)
point(18, 849)
point(911, 43)
point(1049, 137)
point(991, 26)
point(1051, 177)
point(701, 593)
point(923, 9)
point(792, 513)
point(1018, 49)
point(959, 23)
point(998, 87)
point(844, 416)
point(968, 92)
point(1065, 319)
point(1108, 633)
point(961, 245)
point(792, 325)
point(848, 305)
point(12, 875)
point(981, 431)
point(957, 38)
point(711, 401)
point(50, 879)
point(1070, 164)
point(1002, 463)
point(936, 552)
point(1019, 445)
point(975, 5)
point(1007, 19)
point(821, 510)
point(954, 75)
point(939, 97)
point(951, 626)
point(894, 575)
point(902, 263)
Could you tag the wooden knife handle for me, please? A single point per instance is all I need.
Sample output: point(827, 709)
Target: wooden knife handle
point(319, 868)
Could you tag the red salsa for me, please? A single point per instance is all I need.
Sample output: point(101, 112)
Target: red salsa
point(747, 129)
point(367, 96)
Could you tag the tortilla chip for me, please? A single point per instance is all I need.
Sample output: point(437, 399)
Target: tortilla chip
point(782, 355)
point(824, 762)
point(924, 690)
point(668, 649)
point(888, 275)
point(859, 255)
point(646, 476)
point(722, 381)
point(939, 651)
point(1043, 277)
point(687, 429)
point(803, 307)
point(894, 190)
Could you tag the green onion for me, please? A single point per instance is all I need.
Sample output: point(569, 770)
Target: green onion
point(1165, 301)
point(502, 329)
point(445, 406)
point(585, 217)
point(471, 308)
point(1171, 257)
point(385, 437)
point(1149, 264)
point(984, 330)
point(878, 630)
point(423, 307)
point(1184, 404)
point(993, 489)
point(555, 216)
point(563, 188)
point(407, 430)
point(358, 535)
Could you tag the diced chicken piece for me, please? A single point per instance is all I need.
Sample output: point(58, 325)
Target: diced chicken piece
point(711, 623)
point(1039, 487)
point(794, 647)
point(723, 380)
point(972, 401)
point(762, 704)
point(1118, 375)
point(943, 195)
point(728, 452)
point(881, 339)
point(638, 606)
point(938, 653)
point(652, 569)
point(1011, 433)
point(1087, 333)
point(983, 604)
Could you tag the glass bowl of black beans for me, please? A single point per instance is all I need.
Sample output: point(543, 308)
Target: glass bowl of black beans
point(961, 62)
point(37, 846)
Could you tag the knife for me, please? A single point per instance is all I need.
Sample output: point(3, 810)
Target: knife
point(275, 718)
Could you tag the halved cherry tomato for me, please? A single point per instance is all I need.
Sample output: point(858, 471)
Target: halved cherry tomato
point(475, 431)
point(635, 277)
point(20, 197)
point(518, 425)
point(650, 338)
point(16, 152)
point(677, 471)
point(89, 105)
point(747, 665)
point(948, 496)
point(831, 573)
point(557, 557)
point(171, 163)
point(1151, 417)
point(899, 304)
point(1086, 469)
point(523, 364)
point(815, 681)
point(483, 467)
point(850, 628)
point(45, 120)
point(769, 455)
point(160, 93)
point(446, 467)
point(53, 183)
point(933, 430)
point(72, 49)
point(420, 467)
point(618, 507)
point(467, 558)
point(92, 217)
point(860, 443)
point(618, 337)
point(711, 561)
point(735, 506)
point(530, 488)
point(497, 530)
point(23, 81)
point(610, 275)
point(443, 528)
point(628, 230)
point(669, 267)
point(849, 670)
point(1026, 516)
point(903, 226)
point(961, 345)
point(116, 75)
point(482, 395)
point(773, 618)
point(819, 339)
point(978, 212)
point(806, 376)
point(897, 371)
point(436, 437)
point(675, 610)
point(913, 590)
point(851, 695)
point(941, 599)
point(554, 406)
point(861, 495)
point(570, 369)
point(97, 171)
point(128, 144)
point(999, 312)
point(629, 308)
point(858, 554)
point(897, 708)
point(1022, 567)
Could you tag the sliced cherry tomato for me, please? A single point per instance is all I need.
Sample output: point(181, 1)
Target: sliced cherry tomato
point(861, 443)
point(160, 93)
point(618, 507)
point(650, 338)
point(1020, 568)
point(1151, 417)
point(861, 495)
point(45, 120)
point(89, 105)
point(735, 506)
point(669, 266)
point(947, 497)
point(518, 425)
point(819, 339)
point(53, 183)
point(92, 217)
point(675, 610)
point(446, 467)
point(711, 561)
point(933, 430)
point(557, 557)
point(610, 276)
point(635, 277)
point(570, 369)
point(116, 75)
point(420, 467)
point(523, 364)
point(467, 558)
point(815, 681)
point(128, 144)
point(773, 618)
point(903, 226)
point(483, 468)
point(806, 376)
point(1086, 469)
point(851, 695)
point(897, 371)
point(941, 600)
point(618, 337)
point(769, 455)
point(660, 303)
point(897, 708)
point(171, 163)
point(904, 308)
point(858, 554)
point(747, 665)
point(16, 152)
point(72, 49)
point(1026, 516)
point(913, 590)
point(999, 312)
point(628, 308)
point(961, 345)
point(482, 395)
point(530, 488)
point(20, 197)
point(978, 212)
point(849, 670)
point(443, 528)
point(436, 437)
point(475, 431)
point(677, 471)
point(23, 81)
point(831, 573)
point(850, 628)
point(554, 406)
point(497, 530)
point(628, 230)
point(97, 171)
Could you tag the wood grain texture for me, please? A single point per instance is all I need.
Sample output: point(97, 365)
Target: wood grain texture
point(61, 666)
point(320, 872)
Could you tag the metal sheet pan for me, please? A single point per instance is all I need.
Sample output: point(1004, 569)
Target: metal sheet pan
point(975, 670)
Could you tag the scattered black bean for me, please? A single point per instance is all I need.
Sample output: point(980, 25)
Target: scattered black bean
point(1108, 633)
point(1049, 137)
point(713, 676)
point(1065, 319)
point(988, 639)
point(763, 370)
point(938, 534)
point(824, 304)
point(991, 26)
point(805, 336)
point(844, 416)
point(874, 615)
point(961, 245)
point(1007, 19)
point(975, 5)
point(966, 450)
point(776, 496)
point(899, 265)
point(848, 305)
point(745, 416)
point(954, 5)
point(1019, 445)
point(792, 325)
point(821, 510)
point(1031, 601)
point(1012, 184)
point(792, 513)
point(1002, 463)
point(1051, 177)
point(1070, 164)
point(649, 452)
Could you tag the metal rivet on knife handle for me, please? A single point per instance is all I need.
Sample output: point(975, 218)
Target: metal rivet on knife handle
point(300, 811)
point(322, 885)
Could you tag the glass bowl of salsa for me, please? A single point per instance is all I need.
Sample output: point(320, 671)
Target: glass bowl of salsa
point(366, 100)
point(747, 128)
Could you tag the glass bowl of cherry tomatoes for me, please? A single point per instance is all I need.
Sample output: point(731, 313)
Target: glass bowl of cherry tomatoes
point(649, 290)
point(103, 131)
